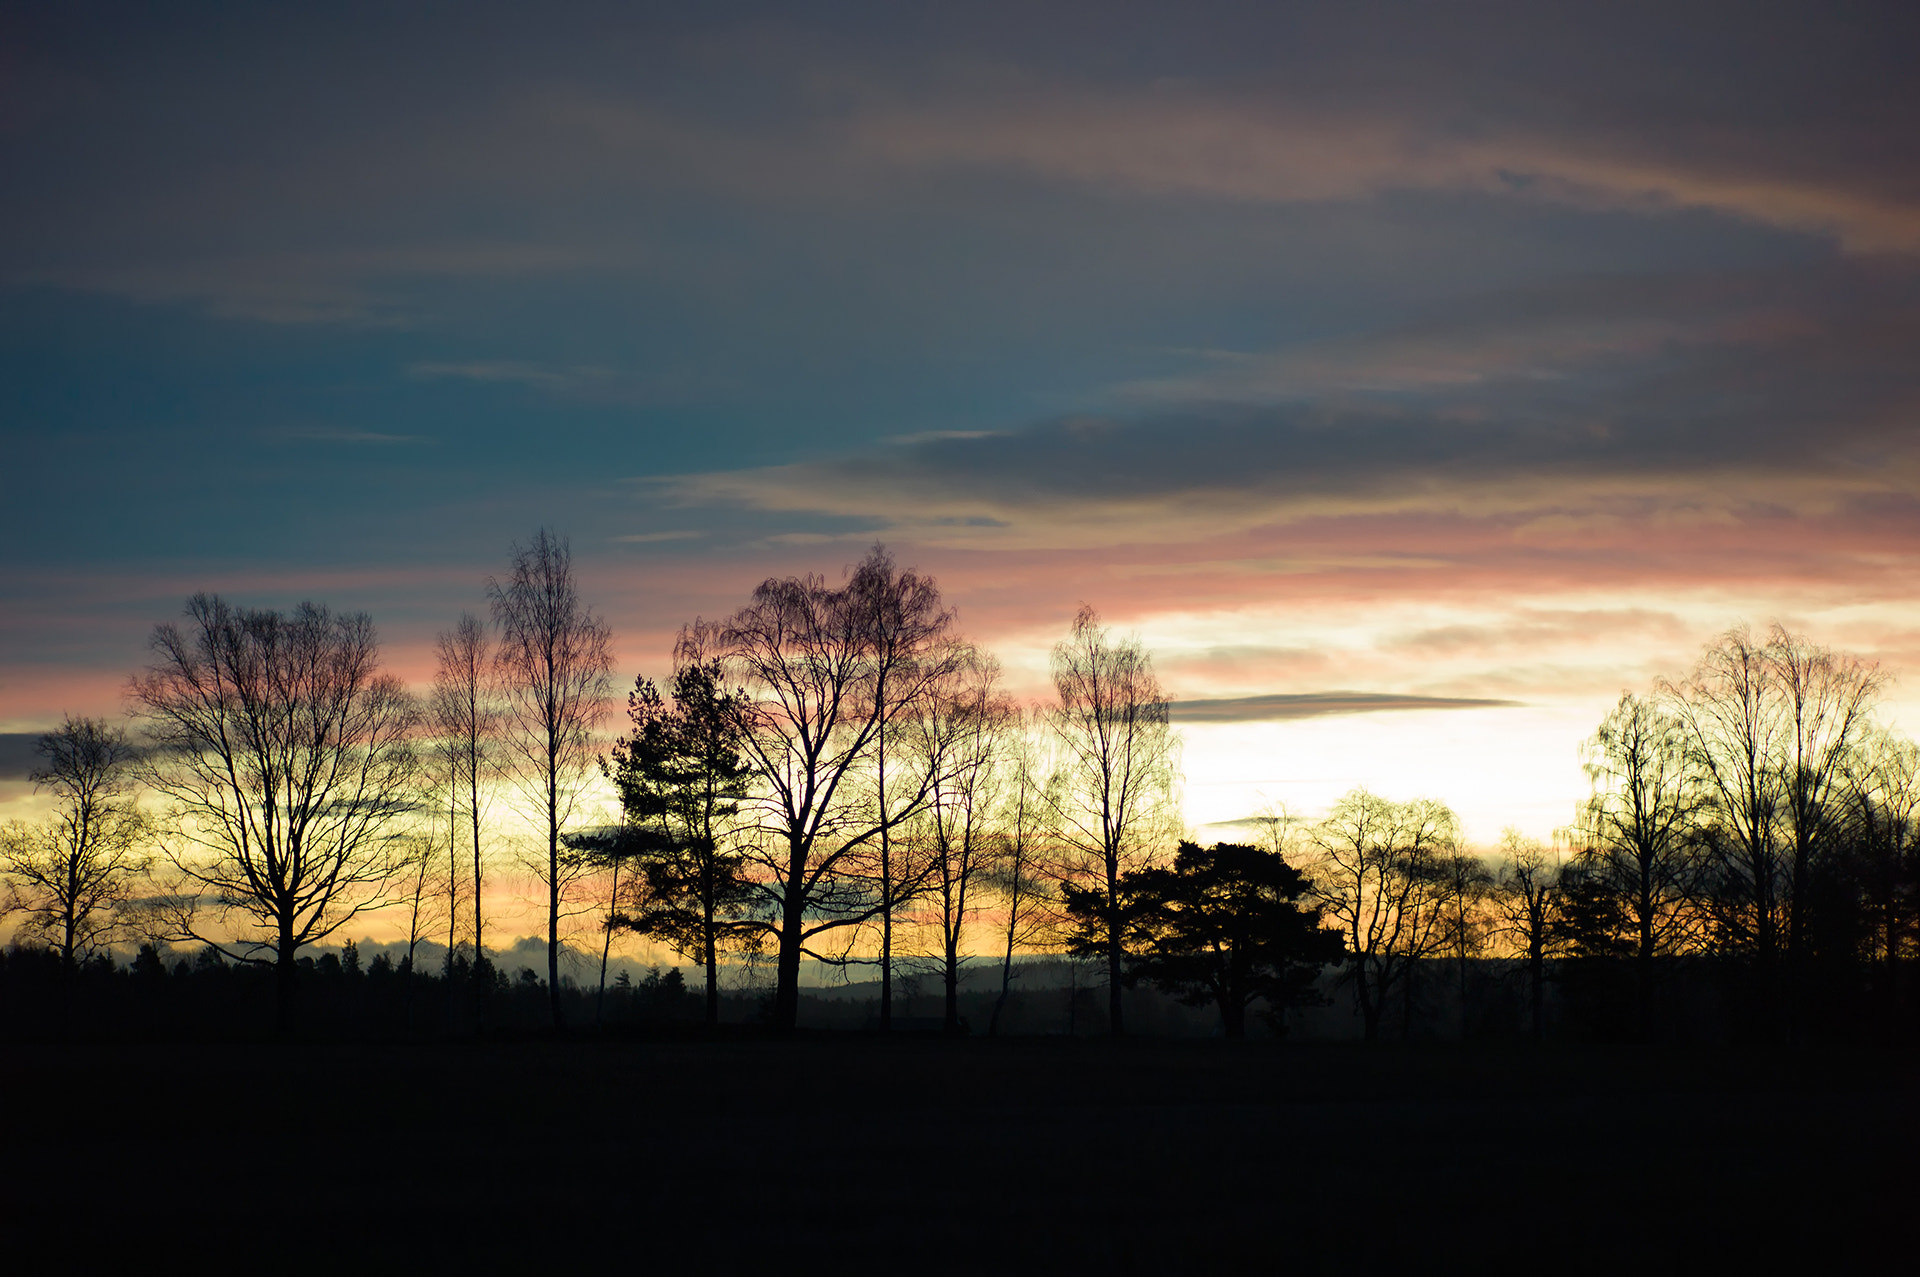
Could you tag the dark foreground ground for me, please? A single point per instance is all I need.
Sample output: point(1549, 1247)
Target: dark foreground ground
point(1039, 1155)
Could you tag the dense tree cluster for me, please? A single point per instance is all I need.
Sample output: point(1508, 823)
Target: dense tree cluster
point(833, 773)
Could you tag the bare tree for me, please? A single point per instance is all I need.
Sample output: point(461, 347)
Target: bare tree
point(805, 654)
point(1732, 718)
point(1769, 728)
point(963, 730)
point(1883, 773)
point(73, 875)
point(1467, 883)
point(466, 722)
point(1827, 702)
point(555, 665)
point(1639, 834)
point(907, 628)
point(422, 878)
point(1378, 870)
point(1526, 898)
point(1019, 875)
point(286, 759)
point(1111, 799)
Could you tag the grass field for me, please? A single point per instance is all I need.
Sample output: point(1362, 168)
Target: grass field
point(849, 1153)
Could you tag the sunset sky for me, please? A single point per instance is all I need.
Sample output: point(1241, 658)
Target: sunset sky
point(1412, 378)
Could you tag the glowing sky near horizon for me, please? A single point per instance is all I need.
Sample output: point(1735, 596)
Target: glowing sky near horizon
point(1482, 352)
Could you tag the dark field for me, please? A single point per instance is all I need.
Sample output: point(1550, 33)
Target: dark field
point(857, 1154)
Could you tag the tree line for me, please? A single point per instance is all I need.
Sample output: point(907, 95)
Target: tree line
point(834, 773)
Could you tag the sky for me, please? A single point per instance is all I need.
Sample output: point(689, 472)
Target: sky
point(1411, 378)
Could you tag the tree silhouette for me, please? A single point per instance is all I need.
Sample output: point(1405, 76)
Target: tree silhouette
point(286, 760)
point(907, 630)
point(1526, 899)
point(682, 775)
point(1379, 870)
point(72, 876)
point(964, 726)
point(1222, 925)
point(1641, 845)
point(1018, 873)
point(821, 689)
point(1769, 727)
point(1111, 795)
point(554, 662)
point(466, 722)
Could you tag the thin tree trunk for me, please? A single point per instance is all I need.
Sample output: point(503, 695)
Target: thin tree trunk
point(886, 880)
point(713, 975)
point(606, 947)
point(553, 888)
point(1006, 984)
point(481, 973)
point(1116, 1027)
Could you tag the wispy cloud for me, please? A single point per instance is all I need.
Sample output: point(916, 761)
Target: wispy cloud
point(1609, 407)
point(1282, 707)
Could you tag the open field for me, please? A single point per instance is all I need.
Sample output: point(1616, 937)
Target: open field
point(929, 1155)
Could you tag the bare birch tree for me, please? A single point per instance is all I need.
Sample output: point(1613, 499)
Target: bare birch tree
point(1019, 875)
point(1827, 701)
point(72, 876)
point(555, 666)
point(907, 628)
point(1526, 900)
point(1111, 799)
point(286, 760)
point(1883, 775)
point(1639, 835)
point(805, 654)
point(1770, 727)
point(963, 729)
point(1734, 727)
point(1377, 869)
point(465, 722)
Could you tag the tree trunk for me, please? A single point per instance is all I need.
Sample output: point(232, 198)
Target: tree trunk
point(1115, 1026)
point(553, 892)
point(886, 878)
point(1536, 973)
point(480, 970)
point(606, 946)
point(285, 983)
point(786, 989)
point(1406, 1003)
point(1006, 981)
point(952, 1025)
point(713, 976)
point(1233, 1018)
point(1463, 992)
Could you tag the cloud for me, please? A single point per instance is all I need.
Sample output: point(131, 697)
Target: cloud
point(311, 283)
point(1176, 141)
point(1598, 405)
point(512, 148)
point(1287, 706)
point(585, 382)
